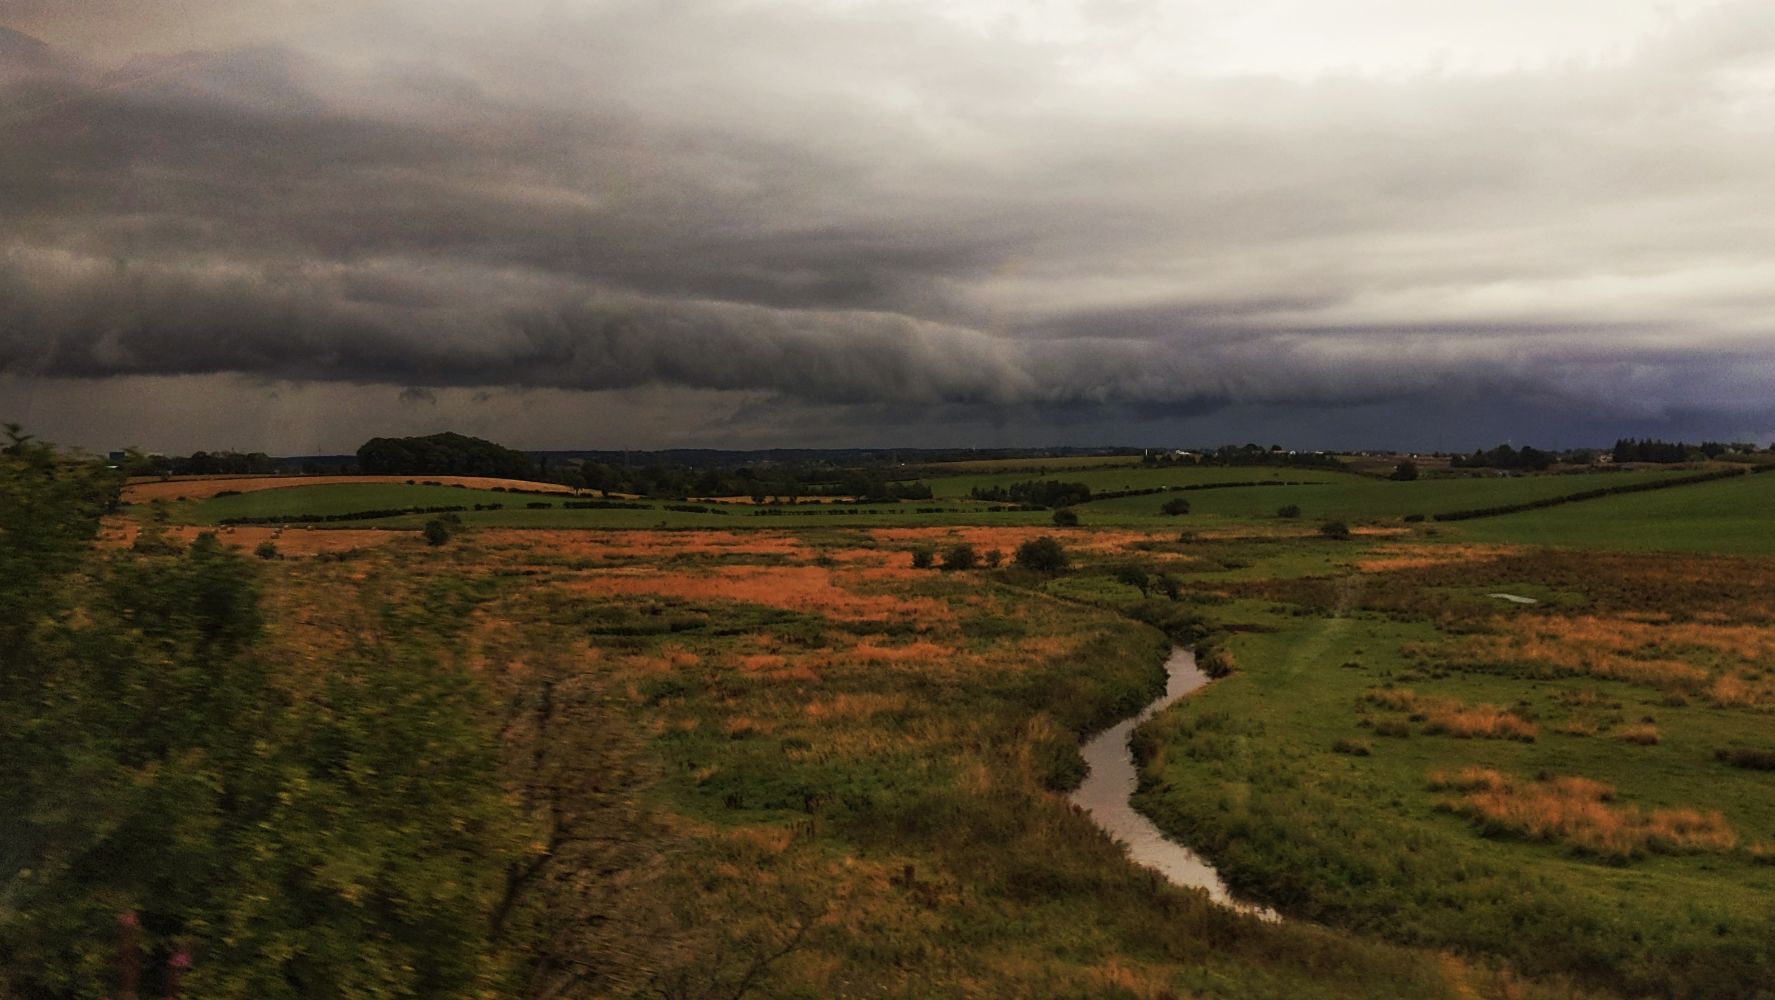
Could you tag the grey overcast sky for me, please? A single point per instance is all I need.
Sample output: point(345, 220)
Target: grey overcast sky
point(289, 225)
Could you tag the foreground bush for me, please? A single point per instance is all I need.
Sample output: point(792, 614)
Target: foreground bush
point(343, 837)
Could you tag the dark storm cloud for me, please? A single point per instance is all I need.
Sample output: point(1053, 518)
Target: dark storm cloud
point(879, 205)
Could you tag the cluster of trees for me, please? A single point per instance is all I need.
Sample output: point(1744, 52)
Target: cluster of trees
point(446, 454)
point(1505, 457)
point(1670, 452)
point(181, 812)
point(1036, 493)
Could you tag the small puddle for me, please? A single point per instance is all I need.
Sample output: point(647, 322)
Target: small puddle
point(1112, 779)
point(1514, 598)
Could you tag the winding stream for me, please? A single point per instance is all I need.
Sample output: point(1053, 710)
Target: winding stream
point(1112, 778)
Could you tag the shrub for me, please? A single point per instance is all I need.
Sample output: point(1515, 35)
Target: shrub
point(1413, 518)
point(960, 557)
point(1136, 577)
point(1355, 748)
point(1335, 530)
point(1066, 517)
point(1168, 585)
point(436, 532)
point(267, 550)
point(1043, 555)
point(1290, 511)
point(1175, 506)
point(994, 558)
point(1216, 660)
point(1640, 734)
point(1392, 728)
point(923, 557)
point(1747, 758)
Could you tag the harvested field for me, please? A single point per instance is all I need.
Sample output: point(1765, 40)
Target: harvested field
point(202, 487)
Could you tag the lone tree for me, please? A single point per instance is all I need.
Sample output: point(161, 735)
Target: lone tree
point(1175, 506)
point(1066, 517)
point(923, 556)
point(1335, 530)
point(1405, 471)
point(1290, 511)
point(1135, 577)
point(1043, 555)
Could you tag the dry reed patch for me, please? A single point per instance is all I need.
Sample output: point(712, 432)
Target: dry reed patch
point(1448, 716)
point(854, 706)
point(1732, 691)
point(869, 652)
point(1592, 653)
point(201, 488)
point(1387, 558)
point(1752, 643)
point(809, 589)
point(646, 546)
point(1580, 812)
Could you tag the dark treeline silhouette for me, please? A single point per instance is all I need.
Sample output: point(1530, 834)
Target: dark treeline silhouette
point(1505, 457)
point(1036, 493)
point(1670, 452)
point(201, 463)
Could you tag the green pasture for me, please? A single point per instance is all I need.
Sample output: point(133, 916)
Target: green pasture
point(1133, 477)
point(1732, 515)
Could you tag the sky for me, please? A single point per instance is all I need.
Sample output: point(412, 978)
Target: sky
point(291, 225)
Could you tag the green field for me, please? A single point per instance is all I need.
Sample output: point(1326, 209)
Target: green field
point(1133, 477)
point(1321, 496)
point(1734, 515)
point(1354, 499)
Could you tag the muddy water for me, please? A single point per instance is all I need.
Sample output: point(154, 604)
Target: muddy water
point(1105, 791)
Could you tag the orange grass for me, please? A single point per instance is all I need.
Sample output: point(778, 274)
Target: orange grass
point(810, 589)
point(1387, 558)
point(1581, 812)
point(1454, 718)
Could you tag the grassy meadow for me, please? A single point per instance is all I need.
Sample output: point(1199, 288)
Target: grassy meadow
point(766, 755)
point(787, 763)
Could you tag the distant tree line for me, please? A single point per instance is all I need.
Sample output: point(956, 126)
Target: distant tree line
point(200, 463)
point(1670, 452)
point(1527, 458)
point(1036, 493)
point(1246, 454)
